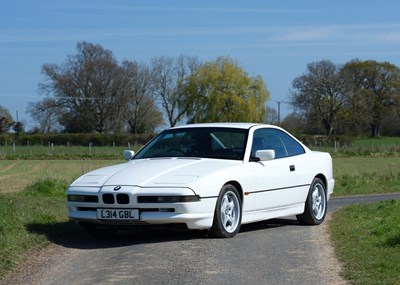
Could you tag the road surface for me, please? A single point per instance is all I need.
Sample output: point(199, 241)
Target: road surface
point(278, 251)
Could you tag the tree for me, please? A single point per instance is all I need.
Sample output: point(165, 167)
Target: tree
point(47, 113)
point(272, 116)
point(318, 94)
point(18, 128)
point(6, 121)
point(89, 84)
point(294, 123)
point(222, 91)
point(374, 88)
point(169, 75)
point(142, 114)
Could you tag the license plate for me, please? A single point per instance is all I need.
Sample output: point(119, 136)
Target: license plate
point(118, 214)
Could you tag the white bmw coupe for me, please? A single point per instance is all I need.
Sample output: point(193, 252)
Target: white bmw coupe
point(214, 176)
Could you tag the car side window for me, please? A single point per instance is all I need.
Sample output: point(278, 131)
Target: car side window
point(280, 142)
point(291, 145)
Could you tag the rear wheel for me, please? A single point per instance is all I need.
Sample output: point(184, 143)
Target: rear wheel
point(316, 203)
point(228, 213)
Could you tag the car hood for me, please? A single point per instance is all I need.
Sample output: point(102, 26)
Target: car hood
point(160, 172)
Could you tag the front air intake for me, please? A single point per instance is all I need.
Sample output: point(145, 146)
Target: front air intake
point(108, 199)
point(122, 198)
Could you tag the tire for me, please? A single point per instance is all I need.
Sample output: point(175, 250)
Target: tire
point(228, 213)
point(316, 204)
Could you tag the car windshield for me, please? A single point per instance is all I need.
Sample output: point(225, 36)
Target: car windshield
point(222, 143)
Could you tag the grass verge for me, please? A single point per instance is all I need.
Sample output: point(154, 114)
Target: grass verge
point(28, 220)
point(367, 241)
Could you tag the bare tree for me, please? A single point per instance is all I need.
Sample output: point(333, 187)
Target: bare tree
point(142, 114)
point(272, 116)
point(169, 75)
point(91, 85)
point(47, 113)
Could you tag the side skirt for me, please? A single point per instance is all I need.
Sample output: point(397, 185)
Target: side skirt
point(257, 216)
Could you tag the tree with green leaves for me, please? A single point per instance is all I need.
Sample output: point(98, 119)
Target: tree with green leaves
point(6, 120)
point(221, 91)
point(374, 89)
point(18, 128)
point(318, 95)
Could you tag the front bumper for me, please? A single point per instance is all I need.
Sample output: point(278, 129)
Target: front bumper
point(195, 215)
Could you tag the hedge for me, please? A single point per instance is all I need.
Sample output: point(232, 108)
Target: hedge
point(75, 139)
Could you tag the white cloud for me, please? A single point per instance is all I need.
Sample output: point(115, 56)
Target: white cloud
point(340, 34)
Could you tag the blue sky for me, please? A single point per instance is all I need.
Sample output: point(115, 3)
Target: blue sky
point(274, 39)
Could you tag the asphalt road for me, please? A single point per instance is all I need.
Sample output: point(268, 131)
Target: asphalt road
point(271, 252)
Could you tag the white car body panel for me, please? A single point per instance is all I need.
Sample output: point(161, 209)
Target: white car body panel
point(269, 189)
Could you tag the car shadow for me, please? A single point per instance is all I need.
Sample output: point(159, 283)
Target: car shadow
point(268, 224)
point(70, 235)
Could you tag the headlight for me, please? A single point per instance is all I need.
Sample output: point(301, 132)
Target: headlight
point(83, 198)
point(168, 199)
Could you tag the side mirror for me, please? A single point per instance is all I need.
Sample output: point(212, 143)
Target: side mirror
point(128, 154)
point(265, 154)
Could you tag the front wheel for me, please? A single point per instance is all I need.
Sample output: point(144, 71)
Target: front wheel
point(316, 203)
point(228, 213)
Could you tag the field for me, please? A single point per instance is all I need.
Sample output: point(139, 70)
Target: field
point(15, 175)
point(366, 175)
point(367, 245)
point(52, 152)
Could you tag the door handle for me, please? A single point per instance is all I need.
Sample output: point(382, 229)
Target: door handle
point(292, 168)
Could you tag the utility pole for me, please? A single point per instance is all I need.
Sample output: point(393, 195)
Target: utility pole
point(279, 110)
point(279, 113)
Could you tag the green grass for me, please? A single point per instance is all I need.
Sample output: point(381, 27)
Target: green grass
point(15, 175)
point(377, 142)
point(62, 152)
point(368, 147)
point(367, 241)
point(28, 220)
point(366, 175)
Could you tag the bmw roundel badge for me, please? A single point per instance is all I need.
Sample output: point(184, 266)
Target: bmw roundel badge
point(116, 188)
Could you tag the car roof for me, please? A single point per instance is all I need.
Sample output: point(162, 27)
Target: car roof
point(223, 125)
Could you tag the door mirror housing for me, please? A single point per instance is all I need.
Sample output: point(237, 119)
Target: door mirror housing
point(128, 154)
point(265, 154)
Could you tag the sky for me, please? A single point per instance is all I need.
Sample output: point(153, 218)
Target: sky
point(273, 39)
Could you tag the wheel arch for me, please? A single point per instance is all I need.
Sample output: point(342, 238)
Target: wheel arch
point(324, 180)
point(238, 188)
